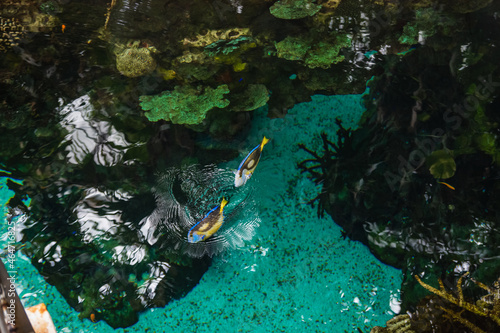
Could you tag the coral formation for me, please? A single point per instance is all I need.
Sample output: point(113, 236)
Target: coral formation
point(398, 324)
point(325, 54)
point(184, 104)
point(313, 54)
point(425, 122)
point(465, 6)
point(450, 311)
point(225, 47)
point(17, 19)
point(133, 60)
point(214, 35)
point(230, 51)
point(294, 9)
point(431, 114)
point(254, 96)
point(488, 307)
point(11, 32)
point(293, 48)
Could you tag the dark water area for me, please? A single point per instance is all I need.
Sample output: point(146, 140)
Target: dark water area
point(121, 121)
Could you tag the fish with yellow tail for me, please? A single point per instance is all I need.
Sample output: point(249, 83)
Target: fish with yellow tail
point(247, 167)
point(209, 225)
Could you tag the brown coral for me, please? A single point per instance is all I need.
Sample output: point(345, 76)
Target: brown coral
point(488, 306)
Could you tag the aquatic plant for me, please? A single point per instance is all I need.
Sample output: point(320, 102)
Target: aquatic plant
point(320, 165)
point(184, 104)
point(441, 164)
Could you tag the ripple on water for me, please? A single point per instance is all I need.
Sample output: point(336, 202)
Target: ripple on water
point(184, 196)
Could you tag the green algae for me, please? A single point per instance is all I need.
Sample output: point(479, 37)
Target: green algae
point(294, 9)
point(184, 104)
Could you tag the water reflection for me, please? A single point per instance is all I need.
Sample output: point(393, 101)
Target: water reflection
point(89, 136)
point(95, 216)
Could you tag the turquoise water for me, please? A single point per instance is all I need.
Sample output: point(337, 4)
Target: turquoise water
point(123, 122)
point(295, 274)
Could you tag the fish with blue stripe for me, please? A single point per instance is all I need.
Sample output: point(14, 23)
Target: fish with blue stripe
point(248, 165)
point(209, 225)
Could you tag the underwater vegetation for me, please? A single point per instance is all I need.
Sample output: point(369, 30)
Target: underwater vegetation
point(112, 122)
point(417, 181)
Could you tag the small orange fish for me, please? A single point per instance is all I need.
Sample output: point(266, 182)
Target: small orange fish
point(63, 27)
point(92, 317)
point(447, 185)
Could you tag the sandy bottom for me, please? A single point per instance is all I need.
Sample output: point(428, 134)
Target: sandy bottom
point(296, 274)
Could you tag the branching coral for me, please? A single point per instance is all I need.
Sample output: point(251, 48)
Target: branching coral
point(437, 315)
point(398, 324)
point(488, 306)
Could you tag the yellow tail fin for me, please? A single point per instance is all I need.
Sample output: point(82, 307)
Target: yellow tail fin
point(223, 203)
point(263, 143)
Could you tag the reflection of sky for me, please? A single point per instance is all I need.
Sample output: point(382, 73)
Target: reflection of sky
point(157, 272)
point(93, 216)
point(95, 221)
point(91, 136)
